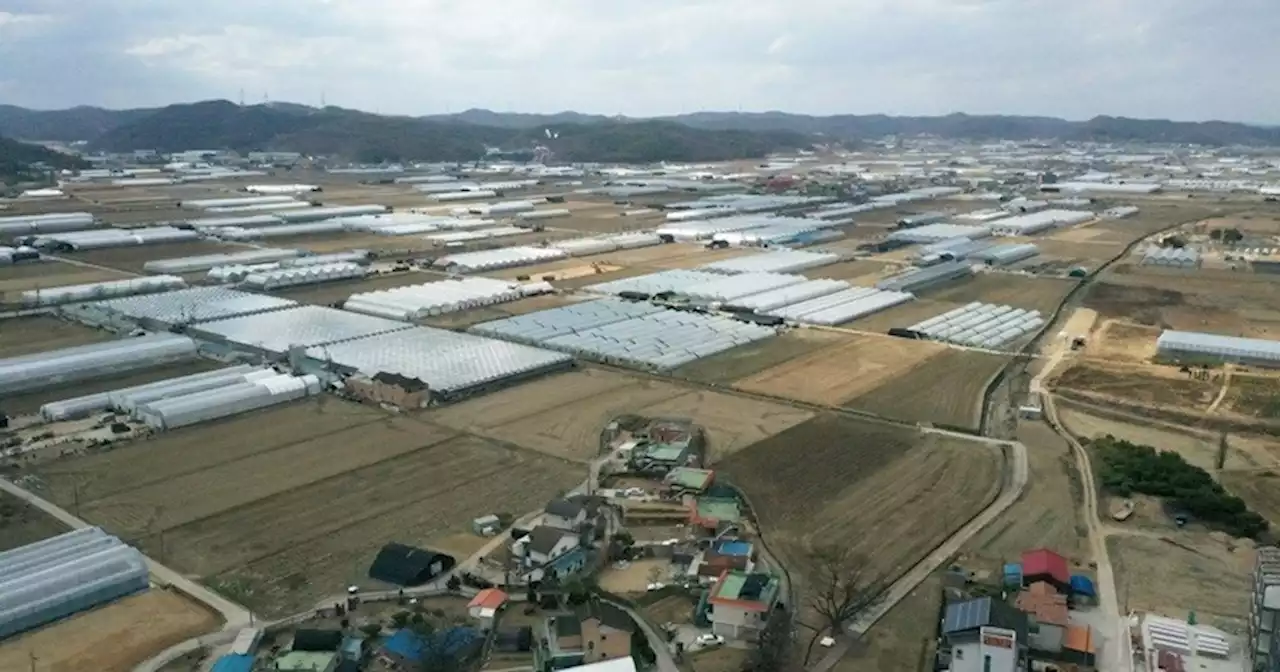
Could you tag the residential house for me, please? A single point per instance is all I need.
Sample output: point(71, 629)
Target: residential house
point(390, 388)
point(565, 514)
point(594, 632)
point(984, 635)
point(549, 552)
point(1045, 565)
point(485, 605)
point(714, 513)
point(1047, 609)
point(723, 555)
point(1079, 646)
point(740, 602)
point(688, 480)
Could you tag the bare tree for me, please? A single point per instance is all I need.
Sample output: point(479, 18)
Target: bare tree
point(842, 588)
point(774, 648)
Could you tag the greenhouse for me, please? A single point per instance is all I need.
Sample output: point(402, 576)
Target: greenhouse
point(581, 247)
point(25, 225)
point(476, 234)
point(260, 390)
point(785, 261)
point(933, 233)
point(675, 281)
point(923, 278)
point(281, 278)
point(785, 296)
point(301, 326)
point(539, 326)
point(451, 364)
point(1038, 222)
point(87, 362)
point(55, 578)
point(101, 290)
point(550, 213)
point(125, 399)
point(239, 221)
point(256, 233)
point(1195, 347)
point(842, 306)
point(1174, 257)
point(730, 287)
point(980, 325)
point(503, 257)
point(205, 203)
point(180, 307)
point(208, 261)
point(106, 238)
point(1003, 255)
point(415, 302)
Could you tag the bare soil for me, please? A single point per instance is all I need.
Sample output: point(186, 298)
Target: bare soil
point(1200, 571)
point(42, 333)
point(22, 524)
point(131, 259)
point(752, 358)
point(1042, 294)
point(28, 276)
point(946, 388)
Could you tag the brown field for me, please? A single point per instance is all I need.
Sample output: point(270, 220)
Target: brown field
point(1042, 294)
point(898, 642)
point(283, 507)
point(863, 482)
point(30, 402)
point(499, 311)
point(333, 292)
point(112, 638)
point(1253, 396)
point(1123, 342)
point(27, 276)
point(752, 358)
point(1202, 451)
point(563, 415)
point(131, 259)
point(1047, 516)
point(41, 333)
point(22, 524)
point(863, 272)
point(1163, 386)
point(1259, 490)
point(903, 315)
point(946, 388)
point(1169, 578)
point(840, 372)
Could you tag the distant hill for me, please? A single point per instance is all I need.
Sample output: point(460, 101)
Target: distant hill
point(584, 137)
point(19, 161)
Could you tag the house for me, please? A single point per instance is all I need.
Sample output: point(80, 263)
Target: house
point(712, 513)
point(1047, 609)
point(740, 602)
point(485, 605)
point(1079, 646)
point(688, 480)
point(565, 514)
point(390, 388)
point(306, 661)
point(1043, 564)
point(724, 555)
point(549, 552)
point(594, 632)
point(984, 635)
point(408, 566)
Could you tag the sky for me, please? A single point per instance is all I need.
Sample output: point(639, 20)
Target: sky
point(1179, 59)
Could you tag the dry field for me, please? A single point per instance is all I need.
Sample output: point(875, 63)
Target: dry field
point(1260, 490)
point(946, 388)
point(1144, 385)
point(862, 272)
point(1201, 451)
point(131, 259)
point(863, 483)
point(1042, 294)
point(745, 360)
point(843, 371)
point(40, 333)
point(1204, 571)
point(19, 278)
point(1122, 342)
point(901, 641)
point(563, 415)
point(30, 402)
point(21, 524)
point(282, 507)
point(903, 315)
point(1047, 516)
point(112, 638)
point(1255, 396)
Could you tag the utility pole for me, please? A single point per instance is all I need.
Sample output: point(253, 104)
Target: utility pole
point(33, 660)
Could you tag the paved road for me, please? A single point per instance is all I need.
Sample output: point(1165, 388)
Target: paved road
point(234, 615)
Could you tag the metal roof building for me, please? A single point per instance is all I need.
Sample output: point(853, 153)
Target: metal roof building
point(55, 578)
point(1190, 346)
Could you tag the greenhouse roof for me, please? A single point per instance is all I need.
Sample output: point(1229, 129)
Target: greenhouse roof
point(185, 306)
point(1213, 343)
point(279, 330)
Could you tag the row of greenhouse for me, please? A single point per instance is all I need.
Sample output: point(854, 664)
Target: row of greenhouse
point(237, 272)
point(414, 302)
point(978, 324)
point(1176, 257)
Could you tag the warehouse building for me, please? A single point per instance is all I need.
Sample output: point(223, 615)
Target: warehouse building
point(55, 578)
point(1264, 606)
point(1188, 347)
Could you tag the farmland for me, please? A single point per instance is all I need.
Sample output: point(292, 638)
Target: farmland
point(30, 402)
point(40, 333)
point(1042, 294)
point(752, 358)
point(946, 388)
point(862, 482)
point(1161, 386)
point(563, 415)
point(111, 638)
point(842, 371)
point(1203, 571)
point(283, 520)
point(14, 280)
point(131, 259)
point(22, 524)
point(903, 315)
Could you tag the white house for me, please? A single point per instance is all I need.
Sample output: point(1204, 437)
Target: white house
point(565, 514)
point(740, 603)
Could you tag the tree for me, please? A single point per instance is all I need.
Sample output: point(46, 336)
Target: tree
point(773, 650)
point(842, 588)
point(400, 619)
point(371, 630)
point(453, 584)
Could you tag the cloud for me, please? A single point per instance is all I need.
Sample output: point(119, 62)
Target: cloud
point(1182, 59)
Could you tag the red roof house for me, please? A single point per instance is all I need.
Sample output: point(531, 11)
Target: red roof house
point(1043, 564)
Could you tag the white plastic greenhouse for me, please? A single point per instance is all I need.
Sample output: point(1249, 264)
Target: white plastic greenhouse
point(25, 225)
point(450, 363)
point(317, 214)
point(208, 261)
point(95, 291)
point(450, 196)
point(277, 331)
point(476, 234)
point(183, 306)
point(222, 402)
point(783, 261)
point(204, 203)
point(255, 233)
point(55, 578)
point(503, 257)
point(105, 238)
point(550, 213)
point(730, 287)
point(785, 296)
point(233, 222)
point(980, 325)
point(842, 306)
point(303, 275)
point(1199, 347)
point(86, 362)
point(581, 247)
point(675, 281)
point(123, 399)
point(544, 324)
point(414, 302)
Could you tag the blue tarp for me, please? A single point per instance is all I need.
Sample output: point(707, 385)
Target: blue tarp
point(733, 547)
point(1013, 569)
point(234, 663)
point(409, 646)
point(1083, 585)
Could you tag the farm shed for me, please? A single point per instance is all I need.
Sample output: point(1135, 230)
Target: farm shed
point(64, 575)
point(414, 302)
point(922, 278)
point(1037, 222)
point(1195, 347)
point(127, 399)
point(95, 291)
point(450, 363)
point(179, 307)
point(1045, 565)
point(842, 306)
point(275, 332)
point(205, 262)
point(627, 334)
point(503, 257)
point(408, 565)
point(87, 362)
point(1047, 609)
point(783, 261)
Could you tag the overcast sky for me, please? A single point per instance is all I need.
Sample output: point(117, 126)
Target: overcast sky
point(1180, 59)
